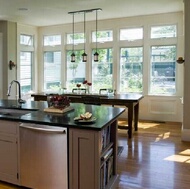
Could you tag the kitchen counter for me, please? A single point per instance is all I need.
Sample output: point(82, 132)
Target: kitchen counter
point(130, 100)
point(103, 114)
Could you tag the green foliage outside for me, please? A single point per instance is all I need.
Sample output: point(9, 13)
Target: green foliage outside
point(131, 65)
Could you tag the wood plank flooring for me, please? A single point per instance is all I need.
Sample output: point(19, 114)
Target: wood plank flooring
point(155, 158)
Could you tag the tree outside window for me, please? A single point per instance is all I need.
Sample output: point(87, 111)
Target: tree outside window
point(102, 71)
point(76, 71)
point(163, 69)
point(131, 65)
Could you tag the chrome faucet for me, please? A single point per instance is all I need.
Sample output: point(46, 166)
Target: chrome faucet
point(19, 90)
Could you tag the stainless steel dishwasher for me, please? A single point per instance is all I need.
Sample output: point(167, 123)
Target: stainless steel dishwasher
point(43, 156)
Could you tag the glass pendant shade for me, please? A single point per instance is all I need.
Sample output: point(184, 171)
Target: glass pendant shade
point(96, 57)
point(84, 57)
point(73, 57)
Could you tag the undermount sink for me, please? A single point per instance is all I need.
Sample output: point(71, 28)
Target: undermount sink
point(13, 112)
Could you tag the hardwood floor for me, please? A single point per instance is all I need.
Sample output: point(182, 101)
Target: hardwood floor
point(155, 158)
point(4, 185)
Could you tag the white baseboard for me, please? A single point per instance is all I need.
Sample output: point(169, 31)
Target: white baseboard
point(185, 135)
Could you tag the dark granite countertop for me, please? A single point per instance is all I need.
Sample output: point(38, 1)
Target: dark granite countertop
point(103, 114)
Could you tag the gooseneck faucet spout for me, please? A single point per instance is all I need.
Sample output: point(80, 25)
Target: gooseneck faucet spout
point(19, 90)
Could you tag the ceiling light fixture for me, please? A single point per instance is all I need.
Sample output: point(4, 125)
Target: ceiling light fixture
point(84, 55)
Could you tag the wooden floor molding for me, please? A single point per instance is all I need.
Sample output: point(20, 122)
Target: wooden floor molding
point(155, 158)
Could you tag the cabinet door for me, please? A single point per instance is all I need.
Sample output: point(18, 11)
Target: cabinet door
point(83, 160)
point(8, 159)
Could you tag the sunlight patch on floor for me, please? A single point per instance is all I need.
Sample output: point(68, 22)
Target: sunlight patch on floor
point(185, 152)
point(163, 136)
point(147, 126)
point(182, 157)
point(178, 158)
point(141, 125)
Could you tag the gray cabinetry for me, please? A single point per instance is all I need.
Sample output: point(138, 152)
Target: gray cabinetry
point(89, 156)
point(9, 151)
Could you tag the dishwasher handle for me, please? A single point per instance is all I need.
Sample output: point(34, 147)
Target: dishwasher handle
point(41, 129)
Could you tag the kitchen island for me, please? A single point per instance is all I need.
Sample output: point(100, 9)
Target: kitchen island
point(91, 147)
point(129, 100)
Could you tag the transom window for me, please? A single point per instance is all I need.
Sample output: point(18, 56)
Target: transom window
point(102, 36)
point(131, 34)
point(26, 40)
point(163, 31)
point(78, 38)
point(52, 40)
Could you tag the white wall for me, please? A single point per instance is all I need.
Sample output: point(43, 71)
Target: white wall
point(8, 29)
point(186, 117)
point(1, 65)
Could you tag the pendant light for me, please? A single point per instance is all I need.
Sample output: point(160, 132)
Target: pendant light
point(96, 53)
point(73, 53)
point(84, 55)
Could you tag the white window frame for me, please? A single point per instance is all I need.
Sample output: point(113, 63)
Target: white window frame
point(51, 48)
point(170, 41)
point(27, 48)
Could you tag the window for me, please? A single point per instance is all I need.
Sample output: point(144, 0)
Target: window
point(163, 68)
point(26, 40)
point(76, 71)
point(102, 71)
point(102, 36)
point(131, 65)
point(163, 31)
point(26, 62)
point(52, 70)
point(26, 71)
point(49, 57)
point(52, 63)
point(131, 34)
point(52, 40)
point(78, 38)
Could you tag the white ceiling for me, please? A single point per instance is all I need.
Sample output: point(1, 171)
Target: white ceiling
point(53, 12)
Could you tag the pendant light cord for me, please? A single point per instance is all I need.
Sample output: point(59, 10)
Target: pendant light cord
point(84, 55)
point(84, 30)
point(73, 31)
point(96, 28)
